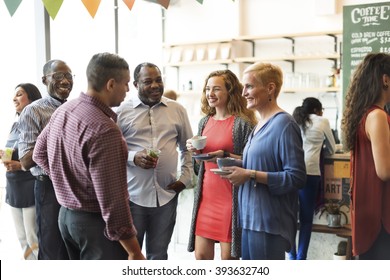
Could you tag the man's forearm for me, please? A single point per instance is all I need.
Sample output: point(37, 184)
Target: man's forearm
point(27, 161)
point(132, 248)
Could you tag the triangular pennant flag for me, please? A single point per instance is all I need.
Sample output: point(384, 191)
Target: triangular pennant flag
point(129, 3)
point(200, 1)
point(52, 7)
point(12, 5)
point(164, 3)
point(92, 6)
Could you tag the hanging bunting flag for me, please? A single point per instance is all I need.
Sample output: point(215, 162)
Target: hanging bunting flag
point(129, 3)
point(12, 5)
point(164, 3)
point(200, 1)
point(92, 6)
point(52, 7)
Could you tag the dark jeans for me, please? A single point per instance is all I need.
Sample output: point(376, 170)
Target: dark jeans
point(263, 246)
point(51, 245)
point(84, 238)
point(156, 224)
point(307, 202)
point(380, 250)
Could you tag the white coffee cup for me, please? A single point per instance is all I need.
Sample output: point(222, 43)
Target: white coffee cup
point(199, 142)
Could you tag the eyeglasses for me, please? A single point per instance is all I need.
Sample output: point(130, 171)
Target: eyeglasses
point(59, 76)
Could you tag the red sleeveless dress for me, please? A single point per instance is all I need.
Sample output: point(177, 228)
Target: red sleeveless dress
point(214, 219)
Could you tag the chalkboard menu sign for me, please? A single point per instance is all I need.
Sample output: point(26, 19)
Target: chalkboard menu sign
point(366, 29)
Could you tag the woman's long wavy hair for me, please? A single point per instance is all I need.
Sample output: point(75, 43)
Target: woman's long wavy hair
point(236, 103)
point(364, 90)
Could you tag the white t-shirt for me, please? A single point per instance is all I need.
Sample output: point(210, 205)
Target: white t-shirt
point(316, 135)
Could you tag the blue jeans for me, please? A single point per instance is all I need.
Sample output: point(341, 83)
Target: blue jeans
point(307, 202)
point(156, 224)
point(263, 246)
point(83, 233)
point(51, 245)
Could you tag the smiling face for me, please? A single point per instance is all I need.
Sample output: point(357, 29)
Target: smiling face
point(256, 94)
point(20, 99)
point(59, 80)
point(216, 92)
point(150, 85)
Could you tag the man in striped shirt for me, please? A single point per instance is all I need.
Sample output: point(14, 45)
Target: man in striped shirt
point(58, 79)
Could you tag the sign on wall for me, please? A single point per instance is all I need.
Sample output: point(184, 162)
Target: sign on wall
point(366, 29)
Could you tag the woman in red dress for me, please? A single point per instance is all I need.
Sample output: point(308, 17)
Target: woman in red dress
point(366, 128)
point(227, 125)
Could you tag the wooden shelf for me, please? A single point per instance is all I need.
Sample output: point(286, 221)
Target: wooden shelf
point(322, 89)
point(199, 62)
point(289, 35)
point(251, 59)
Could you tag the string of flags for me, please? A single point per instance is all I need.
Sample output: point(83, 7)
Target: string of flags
point(53, 6)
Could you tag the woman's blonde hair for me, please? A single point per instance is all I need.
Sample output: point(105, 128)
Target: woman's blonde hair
point(266, 73)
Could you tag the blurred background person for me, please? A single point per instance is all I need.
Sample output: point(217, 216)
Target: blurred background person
point(19, 182)
point(366, 132)
point(316, 134)
point(171, 94)
point(273, 170)
point(227, 125)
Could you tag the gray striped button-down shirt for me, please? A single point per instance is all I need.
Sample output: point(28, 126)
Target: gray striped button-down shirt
point(32, 121)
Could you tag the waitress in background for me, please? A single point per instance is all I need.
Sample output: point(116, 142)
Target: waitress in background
point(315, 131)
point(20, 183)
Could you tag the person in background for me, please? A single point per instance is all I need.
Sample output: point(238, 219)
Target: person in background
point(149, 120)
point(366, 132)
point(171, 94)
point(316, 134)
point(58, 79)
point(83, 151)
point(20, 183)
point(273, 170)
point(227, 125)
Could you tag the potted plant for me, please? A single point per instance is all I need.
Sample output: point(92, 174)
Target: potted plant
point(341, 253)
point(333, 209)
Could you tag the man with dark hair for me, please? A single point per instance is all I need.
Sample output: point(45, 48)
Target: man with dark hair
point(58, 79)
point(149, 120)
point(83, 151)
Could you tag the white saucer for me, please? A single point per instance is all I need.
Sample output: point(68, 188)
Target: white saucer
point(220, 172)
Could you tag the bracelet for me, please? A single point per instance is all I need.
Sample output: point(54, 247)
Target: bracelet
point(253, 177)
point(226, 154)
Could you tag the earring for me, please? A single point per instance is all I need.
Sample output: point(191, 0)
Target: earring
point(269, 99)
point(385, 86)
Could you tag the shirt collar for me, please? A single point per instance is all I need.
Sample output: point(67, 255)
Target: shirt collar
point(137, 102)
point(96, 102)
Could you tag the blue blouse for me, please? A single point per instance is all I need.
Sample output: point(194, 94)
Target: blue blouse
point(276, 149)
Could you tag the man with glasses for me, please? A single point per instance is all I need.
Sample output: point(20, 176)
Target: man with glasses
point(58, 79)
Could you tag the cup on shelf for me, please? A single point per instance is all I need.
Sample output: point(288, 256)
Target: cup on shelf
point(199, 142)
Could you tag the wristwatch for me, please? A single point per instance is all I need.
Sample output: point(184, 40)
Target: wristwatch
point(226, 154)
point(253, 177)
